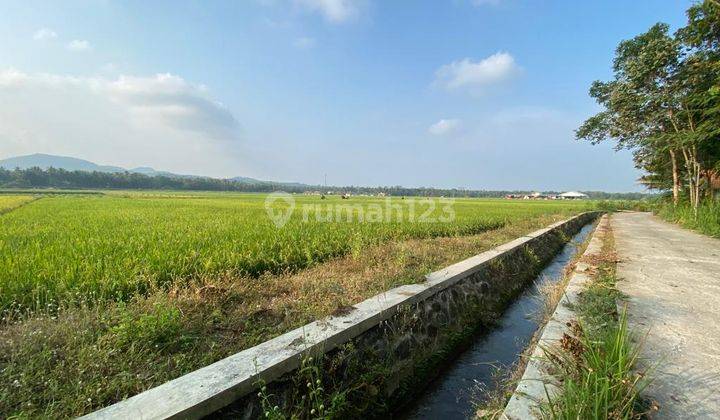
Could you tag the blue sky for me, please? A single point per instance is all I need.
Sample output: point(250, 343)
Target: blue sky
point(481, 94)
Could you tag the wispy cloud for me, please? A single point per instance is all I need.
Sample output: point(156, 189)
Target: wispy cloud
point(44, 34)
point(335, 11)
point(304, 43)
point(475, 76)
point(78, 45)
point(445, 127)
point(129, 116)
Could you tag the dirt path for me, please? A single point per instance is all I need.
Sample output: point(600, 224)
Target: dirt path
point(672, 279)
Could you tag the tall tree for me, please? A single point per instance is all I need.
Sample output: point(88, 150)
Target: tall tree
point(664, 102)
point(639, 101)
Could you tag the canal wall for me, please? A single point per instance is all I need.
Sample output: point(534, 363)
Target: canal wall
point(536, 384)
point(369, 358)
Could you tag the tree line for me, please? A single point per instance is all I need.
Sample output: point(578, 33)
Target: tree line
point(37, 178)
point(663, 104)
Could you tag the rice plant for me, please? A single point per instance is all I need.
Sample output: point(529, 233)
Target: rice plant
point(109, 248)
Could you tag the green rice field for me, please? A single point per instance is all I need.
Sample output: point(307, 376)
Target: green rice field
point(111, 247)
point(104, 296)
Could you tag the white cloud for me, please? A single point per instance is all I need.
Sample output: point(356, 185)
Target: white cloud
point(161, 120)
point(444, 127)
point(78, 45)
point(475, 76)
point(304, 43)
point(335, 11)
point(44, 33)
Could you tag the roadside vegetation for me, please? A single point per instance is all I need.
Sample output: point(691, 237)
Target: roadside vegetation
point(82, 347)
point(705, 219)
point(663, 104)
point(596, 362)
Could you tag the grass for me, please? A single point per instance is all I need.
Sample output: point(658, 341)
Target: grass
point(706, 221)
point(599, 380)
point(596, 361)
point(87, 349)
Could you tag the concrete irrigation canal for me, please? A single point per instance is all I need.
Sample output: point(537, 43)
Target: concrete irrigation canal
point(467, 380)
point(430, 343)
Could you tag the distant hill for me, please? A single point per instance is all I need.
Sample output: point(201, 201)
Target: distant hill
point(43, 161)
point(67, 163)
point(59, 162)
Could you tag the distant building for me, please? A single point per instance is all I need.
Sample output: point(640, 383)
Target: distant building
point(572, 195)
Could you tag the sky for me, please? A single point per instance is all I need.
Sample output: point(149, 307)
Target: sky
point(480, 94)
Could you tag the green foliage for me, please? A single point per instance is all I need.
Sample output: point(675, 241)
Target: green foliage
point(597, 303)
point(309, 398)
point(663, 103)
point(617, 205)
point(38, 181)
point(706, 219)
point(160, 327)
point(11, 202)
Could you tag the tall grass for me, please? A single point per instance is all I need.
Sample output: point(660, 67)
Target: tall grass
point(599, 382)
point(706, 220)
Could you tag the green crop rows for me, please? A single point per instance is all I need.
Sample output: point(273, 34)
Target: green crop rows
point(62, 249)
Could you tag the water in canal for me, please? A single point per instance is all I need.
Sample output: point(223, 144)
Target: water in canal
point(466, 381)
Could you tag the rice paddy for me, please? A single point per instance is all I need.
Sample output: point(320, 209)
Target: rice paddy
point(99, 248)
point(105, 296)
point(11, 202)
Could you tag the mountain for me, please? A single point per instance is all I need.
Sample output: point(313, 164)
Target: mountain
point(246, 180)
point(60, 162)
point(44, 161)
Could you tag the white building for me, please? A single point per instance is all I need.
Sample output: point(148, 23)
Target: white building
point(572, 195)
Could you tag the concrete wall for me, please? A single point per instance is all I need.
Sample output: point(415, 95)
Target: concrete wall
point(536, 383)
point(372, 358)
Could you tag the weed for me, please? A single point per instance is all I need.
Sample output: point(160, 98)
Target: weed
point(598, 378)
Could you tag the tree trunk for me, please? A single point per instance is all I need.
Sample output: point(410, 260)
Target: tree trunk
point(690, 173)
point(676, 178)
point(697, 168)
